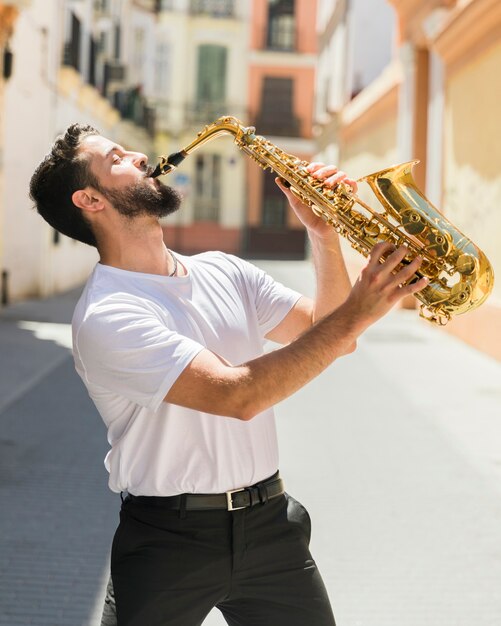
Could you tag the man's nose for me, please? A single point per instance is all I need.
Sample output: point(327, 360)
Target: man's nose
point(140, 160)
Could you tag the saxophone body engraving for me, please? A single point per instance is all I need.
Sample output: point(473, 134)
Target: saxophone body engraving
point(460, 275)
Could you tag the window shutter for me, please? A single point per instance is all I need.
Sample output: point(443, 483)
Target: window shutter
point(211, 79)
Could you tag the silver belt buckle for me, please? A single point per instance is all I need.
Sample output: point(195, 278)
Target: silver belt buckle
point(230, 501)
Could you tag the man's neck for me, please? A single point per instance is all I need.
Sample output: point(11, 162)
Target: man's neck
point(138, 249)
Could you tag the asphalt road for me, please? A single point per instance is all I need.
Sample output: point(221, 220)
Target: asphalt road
point(395, 451)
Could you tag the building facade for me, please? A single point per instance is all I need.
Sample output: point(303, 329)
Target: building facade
point(202, 46)
point(70, 64)
point(9, 12)
point(434, 99)
point(150, 74)
point(263, 74)
point(282, 65)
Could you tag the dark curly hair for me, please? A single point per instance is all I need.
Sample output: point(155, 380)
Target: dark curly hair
point(62, 172)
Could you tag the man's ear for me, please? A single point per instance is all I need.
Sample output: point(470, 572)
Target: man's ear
point(88, 199)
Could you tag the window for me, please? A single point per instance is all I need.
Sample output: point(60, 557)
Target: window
point(276, 115)
point(118, 35)
point(207, 197)
point(102, 47)
point(162, 66)
point(274, 204)
point(138, 62)
point(72, 47)
point(281, 25)
point(102, 6)
point(211, 77)
point(92, 61)
point(164, 5)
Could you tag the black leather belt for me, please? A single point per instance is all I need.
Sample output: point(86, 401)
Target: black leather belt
point(233, 500)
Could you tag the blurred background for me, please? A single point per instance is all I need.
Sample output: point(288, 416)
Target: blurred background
point(360, 84)
point(405, 435)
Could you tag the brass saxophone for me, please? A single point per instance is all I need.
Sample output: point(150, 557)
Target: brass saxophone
point(460, 275)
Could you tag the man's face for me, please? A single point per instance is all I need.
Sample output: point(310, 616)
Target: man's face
point(125, 180)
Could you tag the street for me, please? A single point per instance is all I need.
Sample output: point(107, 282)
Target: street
point(395, 450)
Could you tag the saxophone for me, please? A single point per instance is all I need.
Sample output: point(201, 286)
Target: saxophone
point(460, 275)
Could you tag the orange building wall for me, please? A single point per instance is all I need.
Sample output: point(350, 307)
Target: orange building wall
point(202, 236)
point(258, 24)
point(297, 65)
point(254, 193)
point(306, 11)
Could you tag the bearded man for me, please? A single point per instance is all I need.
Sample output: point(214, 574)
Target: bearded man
point(170, 348)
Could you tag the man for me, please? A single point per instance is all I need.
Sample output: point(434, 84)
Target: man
point(171, 351)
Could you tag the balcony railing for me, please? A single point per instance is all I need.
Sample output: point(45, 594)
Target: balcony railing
point(194, 114)
point(213, 8)
point(164, 5)
point(71, 54)
point(114, 78)
point(206, 112)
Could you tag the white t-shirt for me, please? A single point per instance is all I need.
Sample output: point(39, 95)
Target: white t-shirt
point(133, 335)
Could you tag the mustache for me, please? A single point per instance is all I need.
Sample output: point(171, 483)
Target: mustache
point(148, 171)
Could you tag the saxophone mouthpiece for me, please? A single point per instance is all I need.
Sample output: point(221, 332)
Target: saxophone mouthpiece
point(156, 172)
point(167, 164)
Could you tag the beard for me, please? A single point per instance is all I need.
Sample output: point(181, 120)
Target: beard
point(142, 199)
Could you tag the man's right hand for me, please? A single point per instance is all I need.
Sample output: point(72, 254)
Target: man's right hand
point(380, 285)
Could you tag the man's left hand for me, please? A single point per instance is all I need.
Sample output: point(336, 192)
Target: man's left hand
point(330, 176)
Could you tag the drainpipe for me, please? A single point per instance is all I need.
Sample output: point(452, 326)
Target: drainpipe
point(4, 288)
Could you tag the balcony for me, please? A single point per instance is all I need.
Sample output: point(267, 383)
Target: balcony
point(207, 112)
point(133, 106)
point(114, 77)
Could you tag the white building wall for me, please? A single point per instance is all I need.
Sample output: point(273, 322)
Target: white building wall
point(360, 46)
point(31, 104)
point(371, 28)
point(42, 99)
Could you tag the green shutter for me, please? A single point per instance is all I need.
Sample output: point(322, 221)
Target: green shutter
point(211, 79)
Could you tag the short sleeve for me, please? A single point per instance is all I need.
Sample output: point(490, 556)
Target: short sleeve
point(127, 349)
point(271, 298)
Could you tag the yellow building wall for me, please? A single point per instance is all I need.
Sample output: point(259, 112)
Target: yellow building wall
point(472, 155)
point(371, 148)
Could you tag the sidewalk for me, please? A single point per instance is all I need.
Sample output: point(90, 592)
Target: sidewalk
point(58, 516)
point(25, 357)
point(395, 451)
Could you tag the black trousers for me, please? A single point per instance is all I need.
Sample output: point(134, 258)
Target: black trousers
point(254, 564)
